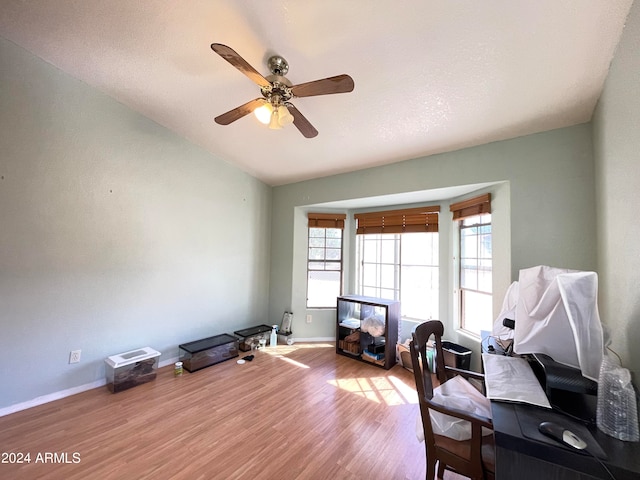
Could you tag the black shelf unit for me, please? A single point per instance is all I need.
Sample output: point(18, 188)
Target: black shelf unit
point(359, 316)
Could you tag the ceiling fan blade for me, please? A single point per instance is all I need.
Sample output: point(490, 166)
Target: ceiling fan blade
point(239, 112)
point(326, 86)
point(231, 56)
point(301, 122)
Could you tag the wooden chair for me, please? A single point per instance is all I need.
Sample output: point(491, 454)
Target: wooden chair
point(474, 458)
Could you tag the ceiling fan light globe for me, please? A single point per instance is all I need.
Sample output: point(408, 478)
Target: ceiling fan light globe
point(274, 124)
point(263, 113)
point(284, 117)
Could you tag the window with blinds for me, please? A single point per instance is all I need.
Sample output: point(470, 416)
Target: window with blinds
point(474, 265)
point(324, 259)
point(398, 259)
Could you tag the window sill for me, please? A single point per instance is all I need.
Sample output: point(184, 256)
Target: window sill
point(469, 335)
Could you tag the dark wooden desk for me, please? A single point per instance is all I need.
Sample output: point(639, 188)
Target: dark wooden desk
point(523, 453)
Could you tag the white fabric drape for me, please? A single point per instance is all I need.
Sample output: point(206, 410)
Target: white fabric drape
point(557, 314)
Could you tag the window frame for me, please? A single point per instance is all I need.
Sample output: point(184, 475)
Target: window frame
point(484, 220)
point(325, 222)
point(360, 263)
point(398, 265)
point(472, 207)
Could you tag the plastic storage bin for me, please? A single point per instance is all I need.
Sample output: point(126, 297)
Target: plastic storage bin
point(456, 355)
point(246, 336)
point(208, 351)
point(131, 368)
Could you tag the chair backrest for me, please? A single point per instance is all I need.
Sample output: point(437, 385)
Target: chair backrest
point(421, 372)
point(440, 449)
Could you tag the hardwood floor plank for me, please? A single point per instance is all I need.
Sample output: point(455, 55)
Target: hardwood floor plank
point(297, 412)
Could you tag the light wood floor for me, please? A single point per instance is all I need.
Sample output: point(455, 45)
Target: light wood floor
point(299, 412)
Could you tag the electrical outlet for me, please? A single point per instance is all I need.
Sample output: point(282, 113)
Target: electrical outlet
point(74, 356)
point(309, 318)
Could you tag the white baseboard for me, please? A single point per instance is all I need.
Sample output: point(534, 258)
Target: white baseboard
point(314, 339)
point(64, 393)
point(101, 383)
point(51, 397)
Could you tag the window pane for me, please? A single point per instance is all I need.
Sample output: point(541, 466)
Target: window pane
point(387, 293)
point(388, 276)
point(419, 294)
point(370, 292)
point(469, 247)
point(388, 249)
point(469, 278)
point(316, 242)
point(333, 254)
point(484, 281)
point(476, 311)
point(484, 276)
point(334, 232)
point(420, 249)
point(370, 250)
point(316, 232)
point(370, 274)
point(323, 289)
point(316, 253)
point(485, 246)
point(334, 243)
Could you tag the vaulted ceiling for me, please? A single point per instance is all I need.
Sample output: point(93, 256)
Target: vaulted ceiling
point(430, 76)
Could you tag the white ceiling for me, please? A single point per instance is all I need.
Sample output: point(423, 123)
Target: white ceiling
point(430, 75)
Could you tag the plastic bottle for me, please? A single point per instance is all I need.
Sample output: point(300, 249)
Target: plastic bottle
point(273, 340)
point(617, 415)
point(177, 370)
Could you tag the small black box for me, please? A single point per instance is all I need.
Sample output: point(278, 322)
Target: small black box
point(376, 347)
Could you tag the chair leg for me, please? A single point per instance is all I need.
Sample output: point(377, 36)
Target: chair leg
point(440, 470)
point(431, 470)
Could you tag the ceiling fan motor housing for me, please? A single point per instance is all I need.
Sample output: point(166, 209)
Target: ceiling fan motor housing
point(280, 87)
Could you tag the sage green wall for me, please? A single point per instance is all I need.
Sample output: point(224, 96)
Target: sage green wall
point(114, 234)
point(548, 179)
point(616, 126)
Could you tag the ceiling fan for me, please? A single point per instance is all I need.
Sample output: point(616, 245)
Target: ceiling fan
point(275, 108)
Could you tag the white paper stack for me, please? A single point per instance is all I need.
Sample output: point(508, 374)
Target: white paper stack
point(511, 379)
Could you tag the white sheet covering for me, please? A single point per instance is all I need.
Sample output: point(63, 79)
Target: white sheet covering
point(557, 314)
point(508, 311)
point(456, 393)
point(511, 379)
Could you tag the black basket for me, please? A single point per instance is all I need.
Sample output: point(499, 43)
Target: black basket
point(456, 355)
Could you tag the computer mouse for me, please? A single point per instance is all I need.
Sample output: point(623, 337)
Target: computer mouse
point(561, 434)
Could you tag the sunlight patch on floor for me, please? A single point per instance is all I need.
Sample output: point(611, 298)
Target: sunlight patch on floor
point(390, 390)
point(287, 349)
point(407, 391)
point(292, 362)
point(281, 351)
